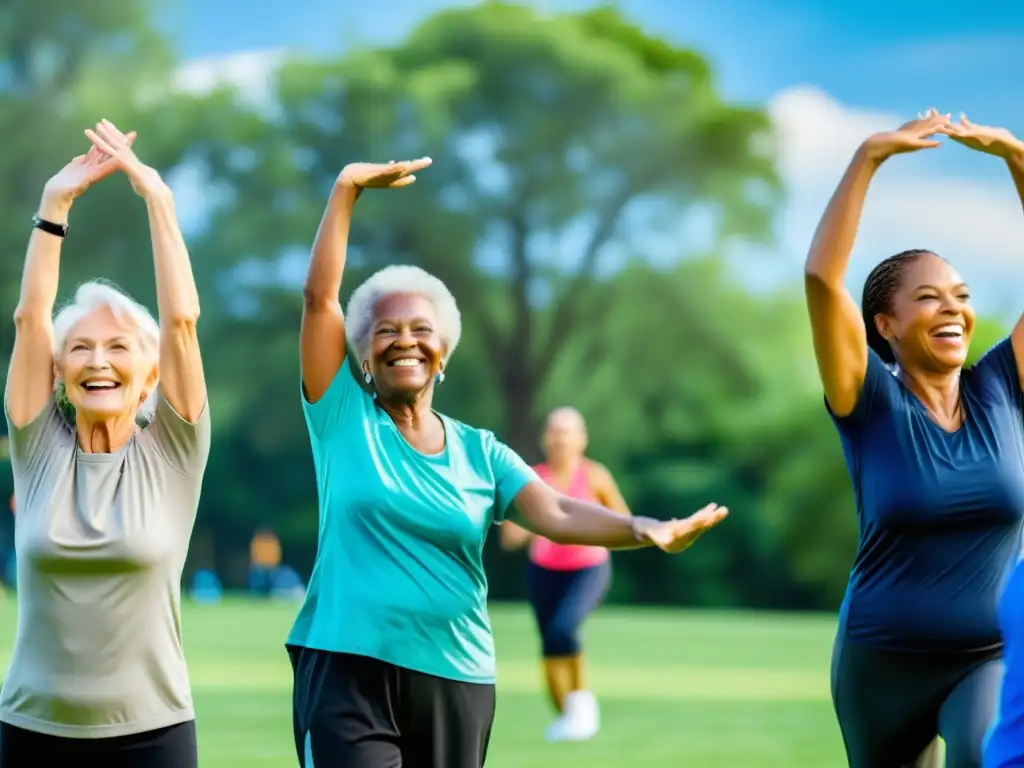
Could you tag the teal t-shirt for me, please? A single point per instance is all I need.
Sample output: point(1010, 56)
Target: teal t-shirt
point(399, 573)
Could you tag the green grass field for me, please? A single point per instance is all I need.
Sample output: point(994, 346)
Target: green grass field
point(678, 688)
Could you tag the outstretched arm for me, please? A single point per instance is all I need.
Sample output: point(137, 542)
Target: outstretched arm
point(1003, 144)
point(30, 376)
point(182, 382)
point(840, 341)
point(565, 520)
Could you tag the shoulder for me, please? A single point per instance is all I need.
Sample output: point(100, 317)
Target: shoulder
point(996, 372)
point(879, 396)
point(597, 473)
point(466, 435)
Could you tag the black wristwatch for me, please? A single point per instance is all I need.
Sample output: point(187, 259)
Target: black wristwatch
point(50, 228)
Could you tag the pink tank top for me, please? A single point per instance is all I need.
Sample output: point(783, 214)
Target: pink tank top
point(566, 557)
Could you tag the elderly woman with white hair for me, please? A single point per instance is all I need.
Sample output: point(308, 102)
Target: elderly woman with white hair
point(392, 650)
point(109, 438)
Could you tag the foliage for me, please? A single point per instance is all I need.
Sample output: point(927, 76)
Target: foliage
point(574, 155)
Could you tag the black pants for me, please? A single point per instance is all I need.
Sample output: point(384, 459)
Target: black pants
point(561, 600)
point(356, 712)
point(891, 706)
point(171, 747)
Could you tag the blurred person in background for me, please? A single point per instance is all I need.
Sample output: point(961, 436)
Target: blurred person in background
point(566, 582)
point(392, 650)
point(109, 435)
point(264, 560)
point(936, 454)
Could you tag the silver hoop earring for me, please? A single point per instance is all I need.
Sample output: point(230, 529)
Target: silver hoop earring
point(440, 377)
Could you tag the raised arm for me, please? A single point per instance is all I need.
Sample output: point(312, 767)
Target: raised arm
point(840, 341)
point(571, 521)
point(182, 382)
point(30, 376)
point(322, 345)
point(1003, 144)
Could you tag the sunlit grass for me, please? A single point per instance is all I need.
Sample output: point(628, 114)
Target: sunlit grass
point(677, 689)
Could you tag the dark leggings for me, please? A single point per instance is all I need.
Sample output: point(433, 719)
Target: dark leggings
point(891, 706)
point(171, 747)
point(561, 600)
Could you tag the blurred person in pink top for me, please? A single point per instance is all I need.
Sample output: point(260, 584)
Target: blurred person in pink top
point(566, 582)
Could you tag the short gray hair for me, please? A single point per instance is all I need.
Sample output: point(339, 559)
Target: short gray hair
point(402, 279)
point(96, 294)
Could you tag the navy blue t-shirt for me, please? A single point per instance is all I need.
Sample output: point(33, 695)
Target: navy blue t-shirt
point(939, 513)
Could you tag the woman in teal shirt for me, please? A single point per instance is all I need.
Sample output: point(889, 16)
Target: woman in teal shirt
point(392, 650)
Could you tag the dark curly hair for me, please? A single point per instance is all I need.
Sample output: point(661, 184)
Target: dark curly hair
point(879, 289)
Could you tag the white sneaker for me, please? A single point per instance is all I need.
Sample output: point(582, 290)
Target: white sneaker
point(579, 721)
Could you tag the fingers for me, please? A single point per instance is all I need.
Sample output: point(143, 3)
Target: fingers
point(964, 121)
point(404, 181)
point(99, 142)
point(417, 165)
point(110, 132)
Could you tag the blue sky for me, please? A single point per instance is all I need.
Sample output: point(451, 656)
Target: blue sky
point(830, 72)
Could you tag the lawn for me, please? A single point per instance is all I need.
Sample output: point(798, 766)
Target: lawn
point(678, 688)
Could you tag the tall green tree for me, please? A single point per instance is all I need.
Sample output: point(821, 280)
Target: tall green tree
point(557, 140)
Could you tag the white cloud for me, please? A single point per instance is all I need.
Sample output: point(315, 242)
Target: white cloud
point(976, 223)
point(250, 72)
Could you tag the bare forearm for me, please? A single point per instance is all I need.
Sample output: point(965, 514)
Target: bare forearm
point(176, 294)
point(327, 263)
point(42, 264)
point(1016, 165)
point(581, 522)
point(837, 231)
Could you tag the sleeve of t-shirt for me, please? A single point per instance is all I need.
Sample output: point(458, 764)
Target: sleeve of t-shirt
point(341, 396)
point(184, 445)
point(877, 391)
point(511, 474)
point(32, 441)
point(997, 369)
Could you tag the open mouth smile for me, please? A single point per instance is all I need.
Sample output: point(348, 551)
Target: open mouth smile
point(100, 386)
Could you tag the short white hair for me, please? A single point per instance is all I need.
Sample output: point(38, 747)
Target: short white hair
point(402, 279)
point(96, 294)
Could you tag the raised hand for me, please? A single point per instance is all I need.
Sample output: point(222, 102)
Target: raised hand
point(984, 138)
point(76, 177)
point(673, 536)
point(909, 137)
point(381, 175)
point(109, 140)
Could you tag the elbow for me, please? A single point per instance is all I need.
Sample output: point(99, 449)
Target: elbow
point(28, 318)
point(183, 321)
point(318, 300)
point(818, 281)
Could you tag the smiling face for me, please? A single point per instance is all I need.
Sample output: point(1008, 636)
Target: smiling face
point(931, 320)
point(406, 350)
point(105, 367)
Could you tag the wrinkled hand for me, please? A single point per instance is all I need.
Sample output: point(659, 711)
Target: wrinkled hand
point(76, 177)
point(984, 138)
point(673, 536)
point(909, 137)
point(109, 140)
point(382, 176)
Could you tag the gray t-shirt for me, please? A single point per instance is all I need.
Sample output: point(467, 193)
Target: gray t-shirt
point(101, 540)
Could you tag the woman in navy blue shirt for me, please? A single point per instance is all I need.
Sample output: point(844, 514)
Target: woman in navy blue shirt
point(936, 455)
